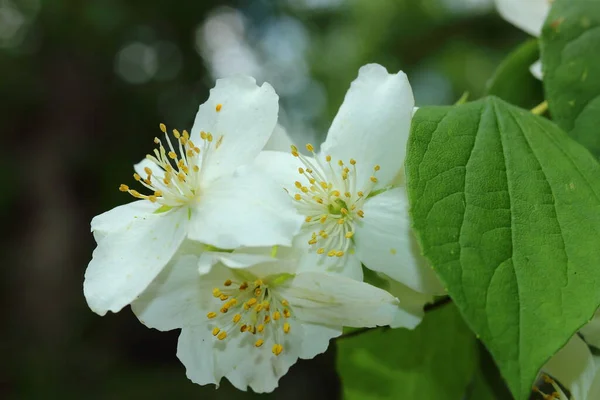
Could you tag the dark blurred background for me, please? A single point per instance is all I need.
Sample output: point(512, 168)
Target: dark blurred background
point(83, 87)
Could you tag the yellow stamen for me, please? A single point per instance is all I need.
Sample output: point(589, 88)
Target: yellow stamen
point(218, 107)
point(211, 314)
point(286, 327)
point(222, 335)
point(215, 331)
point(259, 343)
point(277, 349)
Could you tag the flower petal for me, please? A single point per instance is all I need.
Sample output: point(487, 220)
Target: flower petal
point(410, 311)
point(594, 392)
point(247, 209)
point(573, 366)
point(128, 259)
point(279, 140)
point(385, 242)
point(208, 360)
point(173, 297)
point(195, 351)
point(119, 217)
point(245, 119)
point(317, 339)
point(334, 300)
point(282, 167)
point(591, 331)
point(349, 265)
point(372, 124)
point(157, 172)
point(536, 70)
point(527, 15)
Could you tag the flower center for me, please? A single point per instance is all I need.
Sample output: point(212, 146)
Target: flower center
point(330, 201)
point(176, 179)
point(557, 393)
point(256, 309)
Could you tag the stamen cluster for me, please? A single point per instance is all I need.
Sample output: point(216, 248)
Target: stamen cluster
point(330, 201)
point(179, 172)
point(256, 310)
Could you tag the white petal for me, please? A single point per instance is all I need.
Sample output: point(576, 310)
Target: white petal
point(127, 260)
point(385, 242)
point(316, 339)
point(239, 259)
point(247, 209)
point(195, 351)
point(573, 366)
point(173, 298)
point(594, 392)
point(591, 331)
point(528, 15)
point(372, 124)
point(536, 69)
point(120, 216)
point(157, 172)
point(246, 119)
point(282, 167)
point(410, 310)
point(208, 360)
point(349, 265)
point(337, 300)
point(279, 140)
point(236, 357)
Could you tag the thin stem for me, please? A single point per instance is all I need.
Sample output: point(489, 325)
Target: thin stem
point(427, 308)
point(540, 108)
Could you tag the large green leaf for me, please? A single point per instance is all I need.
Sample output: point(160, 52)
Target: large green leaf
point(570, 46)
point(512, 80)
point(435, 361)
point(487, 384)
point(507, 209)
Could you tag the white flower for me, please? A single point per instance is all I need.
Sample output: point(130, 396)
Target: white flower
point(352, 214)
point(199, 187)
point(251, 323)
point(591, 331)
point(576, 369)
point(527, 15)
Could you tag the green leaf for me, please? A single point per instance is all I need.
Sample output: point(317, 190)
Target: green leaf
point(513, 82)
point(487, 383)
point(507, 209)
point(435, 361)
point(570, 45)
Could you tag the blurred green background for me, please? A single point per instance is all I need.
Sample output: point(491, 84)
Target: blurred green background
point(83, 87)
